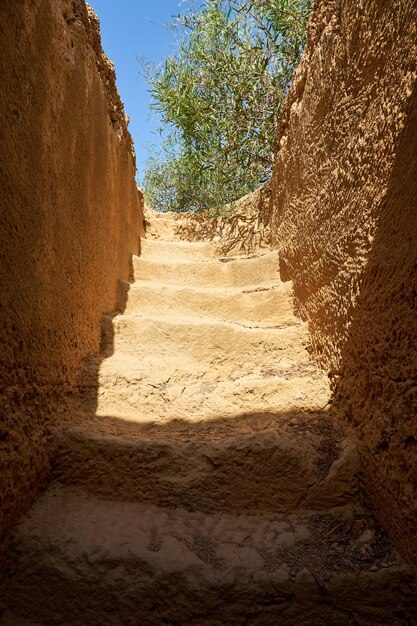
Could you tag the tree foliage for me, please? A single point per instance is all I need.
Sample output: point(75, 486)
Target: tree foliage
point(219, 98)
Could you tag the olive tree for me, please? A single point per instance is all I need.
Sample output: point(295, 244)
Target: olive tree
point(219, 99)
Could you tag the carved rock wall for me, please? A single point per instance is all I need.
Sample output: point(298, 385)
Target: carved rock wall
point(70, 217)
point(344, 222)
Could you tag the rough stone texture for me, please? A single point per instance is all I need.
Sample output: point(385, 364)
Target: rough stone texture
point(70, 217)
point(376, 390)
point(344, 221)
point(244, 230)
point(251, 463)
point(83, 561)
point(338, 142)
point(175, 500)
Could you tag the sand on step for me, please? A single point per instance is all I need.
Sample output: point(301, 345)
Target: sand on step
point(90, 561)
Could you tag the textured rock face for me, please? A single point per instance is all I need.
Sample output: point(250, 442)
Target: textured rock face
point(70, 216)
point(344, 220)
point(202, 481)
point(376, 390)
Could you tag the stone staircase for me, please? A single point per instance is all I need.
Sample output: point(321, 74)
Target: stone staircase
point(203, 481)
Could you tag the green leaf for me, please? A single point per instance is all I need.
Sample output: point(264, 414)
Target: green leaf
point(219, 98)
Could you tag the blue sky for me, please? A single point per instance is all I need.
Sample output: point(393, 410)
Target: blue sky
point(132, 29)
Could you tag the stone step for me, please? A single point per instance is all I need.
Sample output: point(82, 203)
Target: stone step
point(161, 250)
point(165, 227)
point(267, 305)
point(212, 343)
point(239, 272)
point(258, 463)
point(143, 390)
point(81, 561)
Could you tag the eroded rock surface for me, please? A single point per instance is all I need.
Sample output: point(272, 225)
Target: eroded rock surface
point(70, 216)
point(203, 479)
point(344, 220)
point(88, 561)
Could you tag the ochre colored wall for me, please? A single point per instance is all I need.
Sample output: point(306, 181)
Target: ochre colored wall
point(376, 389)
point(344, 221)
point(70, 217)
point(338, 141)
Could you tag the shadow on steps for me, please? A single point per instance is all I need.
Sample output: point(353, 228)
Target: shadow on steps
point(253, 463)
point(254, 519)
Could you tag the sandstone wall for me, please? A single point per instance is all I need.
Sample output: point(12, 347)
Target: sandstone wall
point(70, 217)
point(344, 221)
point(376, 389)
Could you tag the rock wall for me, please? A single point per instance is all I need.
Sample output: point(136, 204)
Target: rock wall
point(376, 386)
point(344, 221)
point(70, 217)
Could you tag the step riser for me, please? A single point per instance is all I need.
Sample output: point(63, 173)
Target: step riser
point(266, 308)
point(129, 594)
point(253, 475)
point(163, 251)
point(212, 345)
point(163, 230)
point(209, 274)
